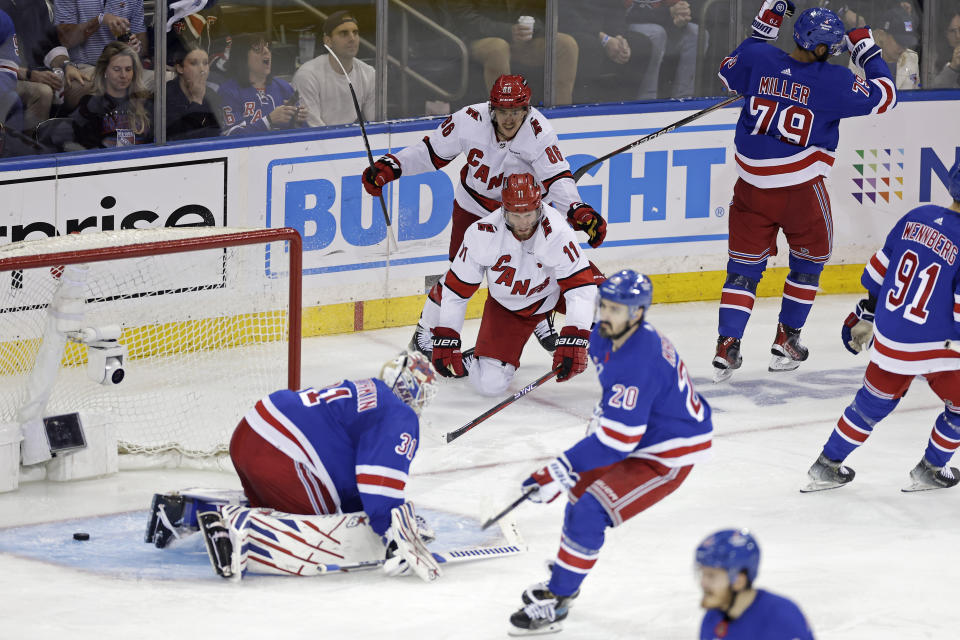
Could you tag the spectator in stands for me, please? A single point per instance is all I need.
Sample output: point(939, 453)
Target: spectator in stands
point(668, 24)
point(613, 59)
point(85, 27)
point(948, 75)
point(10, 105)
point(896, 35)
point(252, 100)
point(193, 109)
point(118, 111)
point(323, 87)
point(40, 53)
point(497, 40)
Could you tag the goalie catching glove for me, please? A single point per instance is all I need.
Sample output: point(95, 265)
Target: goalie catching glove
point(766, 25)
point(384, 170)
point(446, 355)
point(861, 45)
point(406, 552)
point(547, 483)
point(857, 331)
point(583, 217)
point(570, 358)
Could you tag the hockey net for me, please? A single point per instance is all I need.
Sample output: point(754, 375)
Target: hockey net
point(209, 318)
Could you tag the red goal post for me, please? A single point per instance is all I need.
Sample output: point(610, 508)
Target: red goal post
point(209, 320)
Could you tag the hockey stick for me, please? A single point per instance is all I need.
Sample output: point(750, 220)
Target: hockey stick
point(456, 433)
point(466, 554)
point(366, 142)
point(513, 505)
point(656, 134)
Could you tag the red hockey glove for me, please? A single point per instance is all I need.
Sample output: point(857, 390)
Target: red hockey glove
point(384, 170)
point(570, 358)
point(766, 25)
point(447, 359)
point(583, 217)
point(861, 45)
point(548, 482)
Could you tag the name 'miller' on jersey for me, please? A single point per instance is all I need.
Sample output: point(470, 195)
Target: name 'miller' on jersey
point(527, 277)
point(789, 125)
point(648, 407)
point(916, 282)
point(470, 131)
point(355, 437)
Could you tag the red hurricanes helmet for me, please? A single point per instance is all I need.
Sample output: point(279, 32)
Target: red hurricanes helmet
point(510, 92)
point(520, 193)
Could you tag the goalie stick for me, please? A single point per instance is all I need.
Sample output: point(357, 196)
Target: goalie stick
point(392, 242)
point(579, 173)
point(515, 545)
point(456, 433)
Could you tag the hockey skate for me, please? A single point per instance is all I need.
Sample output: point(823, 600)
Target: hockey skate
point(925, 476)
point(468, 359)
point(420, 342)
point(787, 351)
point(727, 358)
point(217, 540)
point(166, 519)
point(546, 334)
point(827, 474)
point(543, 612)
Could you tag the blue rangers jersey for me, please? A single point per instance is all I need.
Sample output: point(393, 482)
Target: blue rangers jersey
point(648, 409)
point(356, 436)
point(770, 617)
point(9, 56)
point(788, 129)
point(245, 109)
point(915, 279)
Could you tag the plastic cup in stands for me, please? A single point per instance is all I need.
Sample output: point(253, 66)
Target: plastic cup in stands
point(308, 43)
point(527, 23)
point(58, 93)
point(125, 137)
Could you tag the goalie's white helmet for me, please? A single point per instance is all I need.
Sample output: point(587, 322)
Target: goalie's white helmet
point(412, 378)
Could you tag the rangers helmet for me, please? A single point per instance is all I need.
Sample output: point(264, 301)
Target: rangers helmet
point(510, 92)
point(953, 181)
point(520, 193)
point(630, 288)
point(735, 550)
point(412, 379)
point(818, 26)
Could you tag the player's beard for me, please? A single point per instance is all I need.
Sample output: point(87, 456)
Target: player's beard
point(608, 332)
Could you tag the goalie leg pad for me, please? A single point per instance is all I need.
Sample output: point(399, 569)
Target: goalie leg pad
point(218, 543)
point(273, 542)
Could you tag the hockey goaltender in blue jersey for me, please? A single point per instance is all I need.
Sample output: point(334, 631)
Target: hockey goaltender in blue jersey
point(356, 436)
point(789, 128)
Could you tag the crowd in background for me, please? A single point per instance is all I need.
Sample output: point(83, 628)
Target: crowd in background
point(79, 74)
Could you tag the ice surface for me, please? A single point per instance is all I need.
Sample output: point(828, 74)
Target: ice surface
point(864, 562)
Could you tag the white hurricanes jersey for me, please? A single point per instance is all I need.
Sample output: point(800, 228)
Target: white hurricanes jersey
point(526, 277)
point(470, 131)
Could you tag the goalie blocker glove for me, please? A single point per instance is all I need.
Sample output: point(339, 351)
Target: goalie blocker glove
point(766, 25)
point(857, 331)
point(447, 358)
point(861, 45)
point(547, 483)
point(570, 358)
point(583, 217)
point(386, 169)
point(406, 552)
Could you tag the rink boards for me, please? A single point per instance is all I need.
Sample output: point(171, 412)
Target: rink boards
point(666, 202)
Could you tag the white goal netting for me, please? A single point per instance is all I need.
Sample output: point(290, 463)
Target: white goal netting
point(204, 317)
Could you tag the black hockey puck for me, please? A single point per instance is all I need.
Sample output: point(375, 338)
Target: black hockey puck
point(79, 535)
